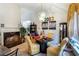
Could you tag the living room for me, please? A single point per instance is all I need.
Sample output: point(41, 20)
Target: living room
point(39, 29)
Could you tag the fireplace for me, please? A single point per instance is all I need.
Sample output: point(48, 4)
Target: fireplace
point(11, 39)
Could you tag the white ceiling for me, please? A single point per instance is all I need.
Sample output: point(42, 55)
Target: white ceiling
point(48, 7)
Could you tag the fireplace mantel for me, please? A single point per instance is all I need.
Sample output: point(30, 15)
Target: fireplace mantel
point(4, 30)
point(9, 29)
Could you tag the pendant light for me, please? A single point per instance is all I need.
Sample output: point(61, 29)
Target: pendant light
point(42, 14)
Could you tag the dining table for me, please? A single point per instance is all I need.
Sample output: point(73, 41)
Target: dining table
point(4, 50)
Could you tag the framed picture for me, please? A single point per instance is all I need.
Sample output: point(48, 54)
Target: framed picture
point(45, 25)
point(52, 24)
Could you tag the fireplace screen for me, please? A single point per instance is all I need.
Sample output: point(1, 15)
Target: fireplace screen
point(12, 39)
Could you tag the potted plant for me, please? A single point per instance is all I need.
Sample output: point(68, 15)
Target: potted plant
point(22, 32)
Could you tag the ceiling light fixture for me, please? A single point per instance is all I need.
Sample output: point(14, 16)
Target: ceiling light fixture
point(42, 14)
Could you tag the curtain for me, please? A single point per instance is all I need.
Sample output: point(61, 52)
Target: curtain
point(71, 11)
point(75, 25)
point(77, 8)
point(72, 19)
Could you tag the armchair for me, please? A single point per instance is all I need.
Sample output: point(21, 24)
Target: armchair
point(57, 50)
point(34, 48)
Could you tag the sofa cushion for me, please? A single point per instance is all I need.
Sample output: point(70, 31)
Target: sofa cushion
point(53, 51)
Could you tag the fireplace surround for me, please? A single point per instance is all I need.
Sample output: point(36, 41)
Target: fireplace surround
point(10, 37)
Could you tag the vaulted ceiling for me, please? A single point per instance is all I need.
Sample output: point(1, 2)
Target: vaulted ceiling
point(59, 10)
point(48, 7)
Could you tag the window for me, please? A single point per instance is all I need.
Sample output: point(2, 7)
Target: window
point(75, 25)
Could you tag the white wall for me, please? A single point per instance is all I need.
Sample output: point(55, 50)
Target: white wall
point(59, 16)
point(27, 14)
point(9, 15)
